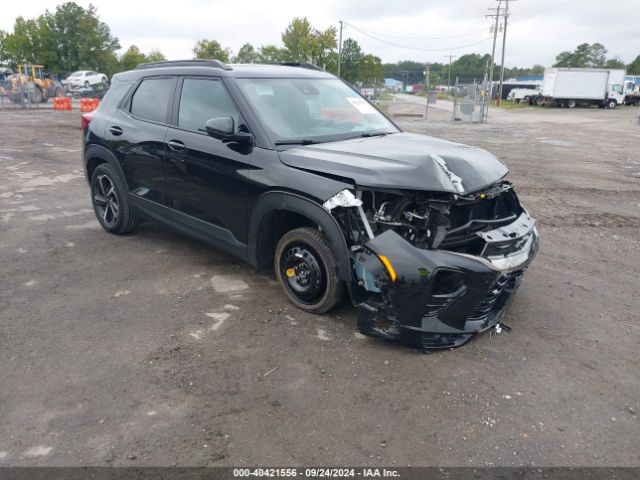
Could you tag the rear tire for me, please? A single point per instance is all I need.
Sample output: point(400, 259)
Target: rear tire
point(571, 104)
point(305, 263)
point(36, 96)
point(110, 202)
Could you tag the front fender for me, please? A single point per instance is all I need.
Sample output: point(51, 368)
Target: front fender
point(280, 200)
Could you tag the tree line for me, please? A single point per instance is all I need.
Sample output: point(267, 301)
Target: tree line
point(72, 38)
point(474, 66)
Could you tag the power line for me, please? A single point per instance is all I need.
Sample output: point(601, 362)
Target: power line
point(418, 38)
point(414, 48)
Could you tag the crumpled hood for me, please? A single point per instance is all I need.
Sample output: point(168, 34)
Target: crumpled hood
point(401, 161)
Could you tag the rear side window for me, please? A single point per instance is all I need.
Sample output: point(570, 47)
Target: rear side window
point(150, 101)
point(202, 99)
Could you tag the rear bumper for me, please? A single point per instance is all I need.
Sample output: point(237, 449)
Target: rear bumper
point(442, 299)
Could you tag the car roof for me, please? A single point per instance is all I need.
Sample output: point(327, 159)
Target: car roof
point(219, 69)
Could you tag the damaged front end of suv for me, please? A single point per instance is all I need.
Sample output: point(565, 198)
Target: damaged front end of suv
point(434, 268)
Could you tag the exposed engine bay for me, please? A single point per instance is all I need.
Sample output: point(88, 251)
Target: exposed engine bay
point(432, 220)
point(434, 268)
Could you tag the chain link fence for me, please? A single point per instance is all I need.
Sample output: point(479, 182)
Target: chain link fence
point(17, 95)
point(470, 102)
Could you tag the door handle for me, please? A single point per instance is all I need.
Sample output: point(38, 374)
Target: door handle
point(176, 145)
point(115, 130)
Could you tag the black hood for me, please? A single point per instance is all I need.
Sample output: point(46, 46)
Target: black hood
point(401, 161)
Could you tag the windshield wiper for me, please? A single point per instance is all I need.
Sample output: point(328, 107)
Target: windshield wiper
point(374, 134)
point(300, 141)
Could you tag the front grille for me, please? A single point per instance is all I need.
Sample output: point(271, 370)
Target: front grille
point(437, 304)
point(494, 299)
point(491, 213)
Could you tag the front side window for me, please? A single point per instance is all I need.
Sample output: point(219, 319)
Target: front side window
point(312, 109)
point(151, 99)
point(202, 99)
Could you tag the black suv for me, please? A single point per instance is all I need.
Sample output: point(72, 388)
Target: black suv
point(287, 165)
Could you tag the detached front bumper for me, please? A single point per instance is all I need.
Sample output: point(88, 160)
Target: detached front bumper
point(441, 299)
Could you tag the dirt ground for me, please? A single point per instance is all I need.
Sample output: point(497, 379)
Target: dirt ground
point(152, 349)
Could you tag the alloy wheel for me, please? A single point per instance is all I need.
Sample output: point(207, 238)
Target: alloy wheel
point(105, 200)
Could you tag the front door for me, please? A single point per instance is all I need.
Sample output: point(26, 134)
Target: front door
point(207, 178)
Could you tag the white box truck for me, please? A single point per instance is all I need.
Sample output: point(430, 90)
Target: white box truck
point(569, 87)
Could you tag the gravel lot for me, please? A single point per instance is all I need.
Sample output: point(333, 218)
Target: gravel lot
point(152, 349)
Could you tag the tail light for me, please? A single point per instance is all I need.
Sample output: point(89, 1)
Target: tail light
point(85, 119)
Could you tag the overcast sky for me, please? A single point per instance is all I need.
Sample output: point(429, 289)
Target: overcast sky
point(537, 31)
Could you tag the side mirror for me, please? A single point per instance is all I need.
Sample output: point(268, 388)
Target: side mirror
point(223, 128)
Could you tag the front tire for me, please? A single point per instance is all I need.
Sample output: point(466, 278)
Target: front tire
point(110, 202)
point(305, 263)
point(612, 104)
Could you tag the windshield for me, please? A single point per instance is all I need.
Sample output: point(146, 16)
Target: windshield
point(312, 110)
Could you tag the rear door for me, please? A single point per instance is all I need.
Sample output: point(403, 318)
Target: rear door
point(207, 178)
point(136, 133)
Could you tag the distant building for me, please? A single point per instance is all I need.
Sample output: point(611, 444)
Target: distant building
point(393, 84)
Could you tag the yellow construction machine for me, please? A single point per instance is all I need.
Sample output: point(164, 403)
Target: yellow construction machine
point(33, 82)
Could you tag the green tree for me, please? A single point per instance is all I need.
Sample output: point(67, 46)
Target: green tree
point(247, 54)
point(537, 69)
point(303, 43)
point(584, 56)
point(211, 50)
point(469, 66)
point(272, 54)
point(298, 40)
point(132, 58)
point(70, 38)
point(23, 44)
point(634, 67)
point(75, 38)
point(352, 56)
point(155, 56)
point(614, 63)
point(371, 71)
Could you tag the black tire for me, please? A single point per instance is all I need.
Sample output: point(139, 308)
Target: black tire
point(571, 103)
point(36, 96)
point(111, 206)
point(305, 254)
point(540, 101)
point(612, 104)
point(86, 84)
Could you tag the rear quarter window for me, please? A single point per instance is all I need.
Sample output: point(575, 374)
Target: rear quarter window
point(150, 101)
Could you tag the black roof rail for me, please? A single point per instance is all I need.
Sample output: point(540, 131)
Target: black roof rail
point(185, 63)
point(308, 66)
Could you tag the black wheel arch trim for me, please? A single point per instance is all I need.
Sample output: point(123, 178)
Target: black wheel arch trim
point(97, 151)
point(280, 200)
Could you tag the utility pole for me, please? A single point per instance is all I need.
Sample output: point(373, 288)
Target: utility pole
point(504, 44)
point(493, 51)
point(449, 81)
point(340, 49)
point(426, 74)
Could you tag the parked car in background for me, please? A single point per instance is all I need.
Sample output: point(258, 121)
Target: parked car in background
point(85, 78)
point(524, 95)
